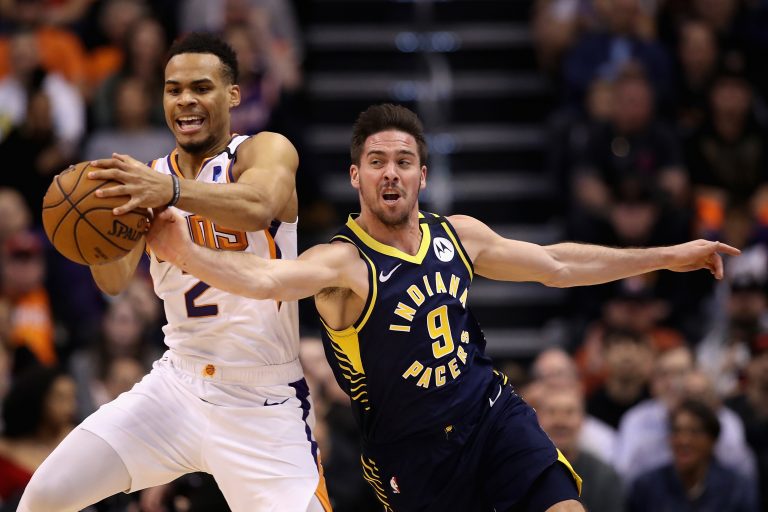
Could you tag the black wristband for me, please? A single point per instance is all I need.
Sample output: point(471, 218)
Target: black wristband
point(176, 191)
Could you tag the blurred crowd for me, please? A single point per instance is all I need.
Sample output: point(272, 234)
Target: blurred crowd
point(660, 399)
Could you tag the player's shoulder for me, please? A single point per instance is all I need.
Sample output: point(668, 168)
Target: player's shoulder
point(272, 142)
point(464, 225)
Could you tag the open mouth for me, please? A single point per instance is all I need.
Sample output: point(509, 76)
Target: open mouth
point(189, 124)
point(390, 197)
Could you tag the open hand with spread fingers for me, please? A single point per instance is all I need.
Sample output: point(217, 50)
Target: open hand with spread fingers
point(146, 187)
point(699, 254)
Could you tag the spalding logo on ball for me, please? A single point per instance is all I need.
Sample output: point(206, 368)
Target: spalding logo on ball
point(81, 226)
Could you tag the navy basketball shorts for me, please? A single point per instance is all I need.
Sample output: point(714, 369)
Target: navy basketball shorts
point(497, 461)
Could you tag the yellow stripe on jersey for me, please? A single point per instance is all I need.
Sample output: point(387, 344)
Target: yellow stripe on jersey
point(372, 282)
point(576, 478)
point(426, 240)
point(372, 476)
point(346, 348)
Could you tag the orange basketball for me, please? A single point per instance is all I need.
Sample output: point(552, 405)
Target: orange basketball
point(81, 226)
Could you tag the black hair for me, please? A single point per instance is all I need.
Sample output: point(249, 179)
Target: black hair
point(704, 413)
point(379, 118)
point(24, 406)
point(203, 42)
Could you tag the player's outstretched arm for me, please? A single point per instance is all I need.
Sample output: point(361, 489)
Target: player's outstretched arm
point(248, 275)
point(112, 278)
point(572, 264)
point(265, 173)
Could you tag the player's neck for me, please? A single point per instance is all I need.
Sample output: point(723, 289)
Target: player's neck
point(404, 237)
point(190, 163)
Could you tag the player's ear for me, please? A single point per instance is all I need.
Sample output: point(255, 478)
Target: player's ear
point(234, 95)
point(423, 182)
point(354, 176)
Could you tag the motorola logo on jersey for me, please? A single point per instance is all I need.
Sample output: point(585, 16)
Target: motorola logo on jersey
point(443, 249)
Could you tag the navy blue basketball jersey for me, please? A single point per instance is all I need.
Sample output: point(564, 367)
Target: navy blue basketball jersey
point(414, 360)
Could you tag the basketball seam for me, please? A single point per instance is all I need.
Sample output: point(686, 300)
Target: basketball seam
point(73, 206)
point(64, 194)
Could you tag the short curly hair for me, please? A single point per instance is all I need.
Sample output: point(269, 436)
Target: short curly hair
point(203, 42)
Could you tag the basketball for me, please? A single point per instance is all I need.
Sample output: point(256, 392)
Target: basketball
point(81, 226)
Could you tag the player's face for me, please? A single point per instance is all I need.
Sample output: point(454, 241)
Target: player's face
point(389, 176)
point(197, 100)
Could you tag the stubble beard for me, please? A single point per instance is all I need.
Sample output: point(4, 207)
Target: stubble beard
point(200, 147)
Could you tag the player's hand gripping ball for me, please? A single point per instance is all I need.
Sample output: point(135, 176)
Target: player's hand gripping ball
point(81, 226)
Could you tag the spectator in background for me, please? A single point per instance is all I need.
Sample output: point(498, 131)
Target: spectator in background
point(259, 89)
point(728, 156)
point(634, 145)
point(133, 133)
point(752, 406)
point(37, 413)
point(14, 213)
point(694, 480)
point(60, 50)
point(632, 305)
point(561, 414)
point(628, 360)
point(144, 59)
point(555, 26)
point(123, 335)
point(32, 154)
point(23, 276)
point(698, 57)
point(724, 352)
point(274, 21)
point(27, 76)
point(624, 42)
point(554, 371)
point(645, 425)
point(114, 20)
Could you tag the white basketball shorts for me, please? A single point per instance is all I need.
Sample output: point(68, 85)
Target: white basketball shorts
point(255, 440)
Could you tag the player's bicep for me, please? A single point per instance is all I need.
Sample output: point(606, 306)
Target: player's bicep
point(503, 259)
point(319, 268)
point(268, 162)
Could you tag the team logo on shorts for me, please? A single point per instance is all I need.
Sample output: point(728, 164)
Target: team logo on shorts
point(443, 249)
point(393, 484)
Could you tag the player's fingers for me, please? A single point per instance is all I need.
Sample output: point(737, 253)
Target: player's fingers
point(111, 173)
point(104, 163)
point(127, 207)
point(717, 263)
point(117, 190)
point(727, 249)
point(127, 160)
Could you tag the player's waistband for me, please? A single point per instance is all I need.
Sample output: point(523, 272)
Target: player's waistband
point(267, 375)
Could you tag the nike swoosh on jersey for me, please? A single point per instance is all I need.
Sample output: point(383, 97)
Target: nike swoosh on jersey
point(497, 397)
point(267, 403)
point(385, 277)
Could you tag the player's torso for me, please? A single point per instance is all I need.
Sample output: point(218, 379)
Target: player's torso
point(207, 323)
point(414, 359)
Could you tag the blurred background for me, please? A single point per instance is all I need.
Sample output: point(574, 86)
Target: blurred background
point(618, 122)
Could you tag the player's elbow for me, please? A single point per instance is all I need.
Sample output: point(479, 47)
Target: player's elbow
point(264, 287)
point(557, 277)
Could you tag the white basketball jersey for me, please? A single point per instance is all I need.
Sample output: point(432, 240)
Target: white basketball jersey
point(212, 325)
